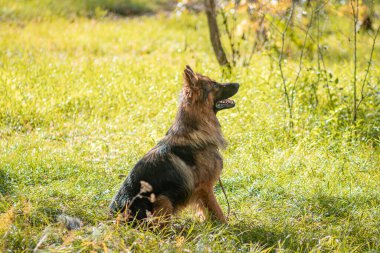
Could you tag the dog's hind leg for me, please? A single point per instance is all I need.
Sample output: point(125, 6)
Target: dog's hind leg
point(163, 208)
point(200, 210)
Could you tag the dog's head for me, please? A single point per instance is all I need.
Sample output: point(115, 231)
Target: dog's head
point(202, 90)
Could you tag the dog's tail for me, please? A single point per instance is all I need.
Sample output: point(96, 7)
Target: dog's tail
point(119, 202)
point(139, 209)
point(138, 206)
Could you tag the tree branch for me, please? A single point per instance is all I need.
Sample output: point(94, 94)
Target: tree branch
point(215, 34)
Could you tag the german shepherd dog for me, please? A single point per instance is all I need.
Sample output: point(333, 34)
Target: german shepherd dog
point(184, 166)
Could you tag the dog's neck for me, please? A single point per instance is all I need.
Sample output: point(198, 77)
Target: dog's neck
point(195, 127)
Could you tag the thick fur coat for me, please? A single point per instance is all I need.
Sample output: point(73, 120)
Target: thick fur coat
point(184, 166)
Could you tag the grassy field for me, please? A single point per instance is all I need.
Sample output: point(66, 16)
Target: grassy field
point(81, 100)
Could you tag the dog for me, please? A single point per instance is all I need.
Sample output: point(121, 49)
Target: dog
point(184, 166)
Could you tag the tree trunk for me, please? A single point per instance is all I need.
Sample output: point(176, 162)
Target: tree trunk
point(214, 33)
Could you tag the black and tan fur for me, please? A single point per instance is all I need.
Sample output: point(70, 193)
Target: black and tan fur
point(185, 165)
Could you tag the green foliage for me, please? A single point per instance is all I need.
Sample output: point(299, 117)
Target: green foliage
point(82, 100)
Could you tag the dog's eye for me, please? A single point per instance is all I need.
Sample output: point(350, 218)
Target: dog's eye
point(215, 86)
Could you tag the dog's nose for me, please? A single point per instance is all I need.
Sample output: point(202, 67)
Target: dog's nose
point(235, 85)
point(229, 89)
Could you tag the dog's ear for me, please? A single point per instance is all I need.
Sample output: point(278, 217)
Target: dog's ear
point(189, 77)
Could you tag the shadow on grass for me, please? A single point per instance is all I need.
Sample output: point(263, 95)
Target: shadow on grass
point(6, 179)
point(305, 227)
point(342, 207)
point(255, 234)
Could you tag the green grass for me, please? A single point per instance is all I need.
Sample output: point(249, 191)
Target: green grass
point(81, 101)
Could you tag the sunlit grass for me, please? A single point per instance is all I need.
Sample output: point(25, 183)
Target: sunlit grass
point(83, 100)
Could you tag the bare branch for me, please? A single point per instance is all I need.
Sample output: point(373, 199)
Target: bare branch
point(284, 85)
point(368, 68)
point(283, 41)
point(301, 56)
point(229, 33)
point(355, 17)
point(255, 44)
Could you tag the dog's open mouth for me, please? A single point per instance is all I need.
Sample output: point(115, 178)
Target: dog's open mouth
point(224, 104)
point(226, 90)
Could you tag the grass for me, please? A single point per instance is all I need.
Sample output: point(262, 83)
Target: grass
point(82, 100)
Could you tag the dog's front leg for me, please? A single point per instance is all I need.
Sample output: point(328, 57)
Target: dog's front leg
point(211, 204)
